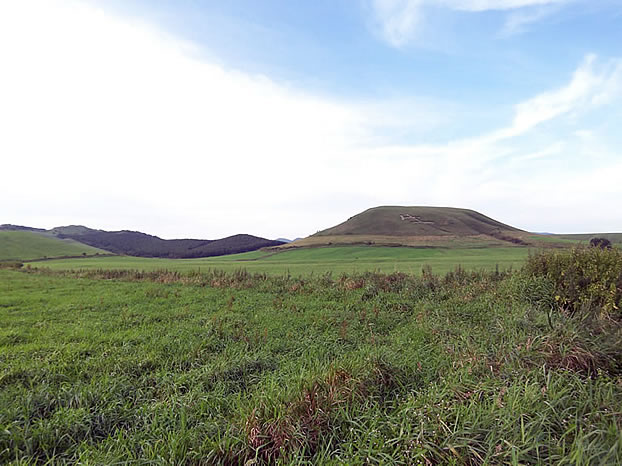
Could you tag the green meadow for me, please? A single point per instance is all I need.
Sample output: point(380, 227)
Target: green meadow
point(213, 367)
point(346, 259)
point(26, 245)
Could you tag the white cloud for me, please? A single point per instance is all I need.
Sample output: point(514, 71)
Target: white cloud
point(111, 123)
point(545, 179)
point(97, 107)
point(484, 5)
point(590, 86)
point(518, 21)
point(553, 149)
point(399, 21)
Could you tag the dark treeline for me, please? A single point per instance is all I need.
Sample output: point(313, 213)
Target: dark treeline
point(133, 243)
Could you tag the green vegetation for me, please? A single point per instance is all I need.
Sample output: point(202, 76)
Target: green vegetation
point(615, 238)
point(238, 368)
point(582, 278)
point(26, 245)
point(553, 239)
point(344, 259)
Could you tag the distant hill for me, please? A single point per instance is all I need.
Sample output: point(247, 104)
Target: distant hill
point(135, 243)
point(23, 244)
point(9, 227)
point(53, 243)
point(417, 226)
point(72, 230)
point(418, 221)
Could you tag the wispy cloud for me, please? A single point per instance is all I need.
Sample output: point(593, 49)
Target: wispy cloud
point(115, 124)
point(528, 171)
point(591, 85)
point(484, 5)
point(518, 22)
point(399, 21)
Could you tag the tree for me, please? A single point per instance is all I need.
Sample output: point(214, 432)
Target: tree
point(602, 243)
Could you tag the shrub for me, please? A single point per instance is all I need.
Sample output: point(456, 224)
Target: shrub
point(582, 277)
point(602, 243)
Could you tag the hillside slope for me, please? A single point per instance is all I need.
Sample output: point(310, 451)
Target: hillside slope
point(418, 221)
point(417, 226)
point(131, 243)
point(28, 245)
point(134, 243)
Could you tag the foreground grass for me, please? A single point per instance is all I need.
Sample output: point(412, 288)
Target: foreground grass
point(242, 369)
point(338, 260)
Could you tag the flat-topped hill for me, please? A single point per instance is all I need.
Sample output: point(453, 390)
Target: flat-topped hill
point(418, 221)
point(417, 226)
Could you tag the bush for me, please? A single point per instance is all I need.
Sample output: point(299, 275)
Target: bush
point(582, 277)
point(602, 243)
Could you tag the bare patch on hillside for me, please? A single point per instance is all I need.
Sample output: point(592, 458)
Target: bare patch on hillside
point(415, 219)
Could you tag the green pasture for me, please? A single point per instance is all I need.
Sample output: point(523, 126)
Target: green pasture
point(248, 370)
point(26, 245)
point(615, 238)
point(338, 260)
point(556, 240)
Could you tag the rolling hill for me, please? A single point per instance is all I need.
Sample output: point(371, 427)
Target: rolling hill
point(418, 226)
point(28, 245)
point(134, 243)
point(422, 227)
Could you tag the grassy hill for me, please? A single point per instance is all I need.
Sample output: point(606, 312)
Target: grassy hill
point(418, 226)
point(418, 221)
point(72, 230)
point(135, 243)
point(28, 245)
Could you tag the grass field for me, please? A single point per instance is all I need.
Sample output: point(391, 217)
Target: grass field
point(338, 260)
point(236, 369)
point(453, 242)
point(615, 238)
point(26, 245)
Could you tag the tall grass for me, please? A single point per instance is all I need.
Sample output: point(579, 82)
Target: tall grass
point(467, 368)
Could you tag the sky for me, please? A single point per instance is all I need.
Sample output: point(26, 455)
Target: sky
point(280, 118)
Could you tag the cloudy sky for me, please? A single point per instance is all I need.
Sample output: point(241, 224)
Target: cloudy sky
point(280, 118)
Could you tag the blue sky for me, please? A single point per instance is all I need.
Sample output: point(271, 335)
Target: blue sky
point(280, 118)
